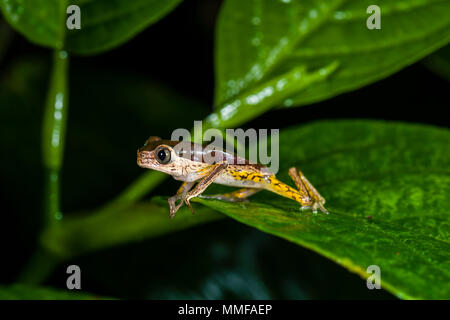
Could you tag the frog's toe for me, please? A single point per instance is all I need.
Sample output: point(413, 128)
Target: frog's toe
point(319, 205)
point(174, 206)
point(315, 207)
point(188, 203)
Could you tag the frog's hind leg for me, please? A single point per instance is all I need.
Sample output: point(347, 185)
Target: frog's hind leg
point(240, 195)
point(304, 186)
point(301, 195)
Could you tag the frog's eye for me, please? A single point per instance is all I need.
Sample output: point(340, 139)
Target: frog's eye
point(163, 155)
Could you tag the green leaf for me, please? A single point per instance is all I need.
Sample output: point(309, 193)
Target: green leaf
point(262, 98)
point(105, 24)
point(387, 187)
point(27, 292)
point(258, 40)
point(86, 232)
point(41, 21)
point(439, 62)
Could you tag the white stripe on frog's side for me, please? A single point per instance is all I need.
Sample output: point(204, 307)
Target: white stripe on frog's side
point(206, 154)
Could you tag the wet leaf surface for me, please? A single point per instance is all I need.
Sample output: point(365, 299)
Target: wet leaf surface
point(386, 186)
point(260, 40)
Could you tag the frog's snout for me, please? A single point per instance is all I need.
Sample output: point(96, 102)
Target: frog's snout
point(144, 157)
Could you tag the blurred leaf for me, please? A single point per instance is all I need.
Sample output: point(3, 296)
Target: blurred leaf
point(104, 23)
point(259, 40)
point(26, 292)
point(107, 24)
point(262, 98)
point(439, 62)
point(387, 187)
point(5, 38)
point(41, 21)
point(81, 233)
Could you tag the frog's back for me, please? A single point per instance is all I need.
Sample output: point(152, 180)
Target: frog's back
point(245, 176)
point(209, 154)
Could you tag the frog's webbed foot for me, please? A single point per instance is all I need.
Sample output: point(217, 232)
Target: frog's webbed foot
point(174, 206)
point(319, 205)
point(181, 193)
point(316, 201)
point(314, 207)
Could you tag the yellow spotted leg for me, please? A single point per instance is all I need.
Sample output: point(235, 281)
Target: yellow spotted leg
point(306, 194)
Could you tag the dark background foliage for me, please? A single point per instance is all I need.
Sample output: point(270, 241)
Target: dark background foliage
point(110, 117)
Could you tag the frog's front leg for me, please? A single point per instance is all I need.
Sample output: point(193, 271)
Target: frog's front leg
point(214, 172)
point(181, 193)
point(240, 195)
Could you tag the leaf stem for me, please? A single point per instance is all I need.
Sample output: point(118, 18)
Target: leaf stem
point(53, 135)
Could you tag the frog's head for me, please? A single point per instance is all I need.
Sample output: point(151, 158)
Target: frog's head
point(159, 154)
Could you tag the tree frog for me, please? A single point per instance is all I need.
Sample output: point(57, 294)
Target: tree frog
point(185, 161)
